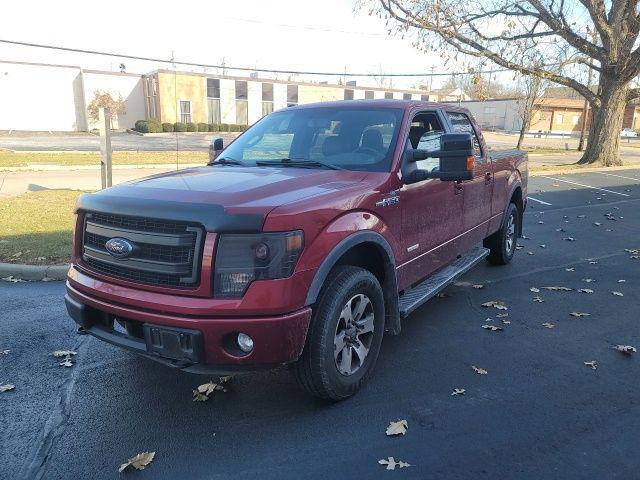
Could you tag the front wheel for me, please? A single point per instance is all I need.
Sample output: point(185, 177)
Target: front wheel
point(502, 244)
point(344, 336)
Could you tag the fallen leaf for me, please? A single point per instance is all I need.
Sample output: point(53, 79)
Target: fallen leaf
point(597, 224)
point(458, 391)
point(397, 428)
point(540, 222)
point(443, 295)
point(588, 280)
point(579, 314)
point(548, 325)
point(201, 394)
point(534, 289)
point(569, 239)
point(66, 362)
point(582, 216)
point(63, 353)
point(621, 281)
point(6, 387)
point(593, 364)
point(478, 370)
point(4, 352)
point(617, 294)
point(628, 349)
point(478, 286)
point(502, 315)
point(519, 247)
point(12, 279)
point(585, 290)
point(139, 462)
point(542, 246)
point(525, 237)
point(562, 289)
point(538, 299)
point(493, 328)
point(593, 262)
point(391, 463)
point(530, 253)
point(570, 269)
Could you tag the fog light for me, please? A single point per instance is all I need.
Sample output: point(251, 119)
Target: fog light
point(245, 342)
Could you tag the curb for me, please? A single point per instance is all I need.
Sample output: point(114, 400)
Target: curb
point(535, 172)
point(33, 273)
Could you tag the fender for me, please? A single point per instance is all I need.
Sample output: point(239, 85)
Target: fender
point(390, 287)
point(516, 184)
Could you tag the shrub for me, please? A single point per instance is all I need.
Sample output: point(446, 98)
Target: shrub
point(211, 127)
point(154, 125)
point(167, 127)
point(203, 127)
point(223, 127)
point(179, 127)
point(141, 126)
point(192, 127)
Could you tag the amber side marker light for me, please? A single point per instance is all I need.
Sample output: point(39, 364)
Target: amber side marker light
point(294, 242)
point(470, 162)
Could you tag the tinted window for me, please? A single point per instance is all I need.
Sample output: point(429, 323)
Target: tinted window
point(406, 96)
point(267, 92)
point(241, 90)
point(292, 94)
point(351, 138)
point(461, 124)
point(425, 134)
point(213, 88)
point(348, 94)
point(368, 94)
point(388, 94)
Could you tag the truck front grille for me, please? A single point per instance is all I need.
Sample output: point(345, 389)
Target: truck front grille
point(165, 253)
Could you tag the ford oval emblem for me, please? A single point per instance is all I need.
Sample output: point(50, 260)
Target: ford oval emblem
point(119, 247)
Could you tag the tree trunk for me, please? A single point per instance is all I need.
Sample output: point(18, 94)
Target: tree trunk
point(526, 121)
point(603, 143)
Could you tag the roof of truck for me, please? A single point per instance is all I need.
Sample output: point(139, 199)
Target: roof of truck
point(381, 103)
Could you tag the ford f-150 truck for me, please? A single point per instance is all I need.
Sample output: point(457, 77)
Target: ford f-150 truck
point(303, 242)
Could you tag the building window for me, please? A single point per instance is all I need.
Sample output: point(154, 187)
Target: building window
point(348, 94)
point(267, 98)
point(424, 98)
point(185, 111)
point(151, 92)
point(406, 96)
point(242, 103)
point(388, 94)
point(292, 95)
point(559, 119)
point(368, 94)
point(576, 118)
point(213, 100)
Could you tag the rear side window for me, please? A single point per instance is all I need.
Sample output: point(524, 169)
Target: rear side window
point(461, 124)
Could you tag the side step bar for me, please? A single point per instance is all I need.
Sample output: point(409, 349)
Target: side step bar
point(433, 284)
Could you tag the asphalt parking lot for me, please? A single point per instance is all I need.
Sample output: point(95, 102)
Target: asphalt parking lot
point(539, 412)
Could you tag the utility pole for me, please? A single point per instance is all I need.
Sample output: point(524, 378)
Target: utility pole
point(104, 124)
point(585, 112)
point(433, 68)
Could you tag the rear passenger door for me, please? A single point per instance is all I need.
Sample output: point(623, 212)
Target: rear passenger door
point(477, 192)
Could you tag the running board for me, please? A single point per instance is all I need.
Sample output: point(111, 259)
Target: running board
point(433, 284)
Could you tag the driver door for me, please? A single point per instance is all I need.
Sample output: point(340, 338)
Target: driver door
point(431, 209)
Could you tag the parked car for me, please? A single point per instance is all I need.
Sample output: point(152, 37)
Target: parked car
point(628, 132)
point(317, 231)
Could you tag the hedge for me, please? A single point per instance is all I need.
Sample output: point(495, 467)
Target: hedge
point(167, 127)
point(203, 127)
point(192, 127)
point(180, 127)
point(148, 126)
point(153, 125)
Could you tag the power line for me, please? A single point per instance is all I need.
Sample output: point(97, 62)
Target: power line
point(246, 69)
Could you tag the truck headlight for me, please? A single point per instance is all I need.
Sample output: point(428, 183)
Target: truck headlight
point(243, 258)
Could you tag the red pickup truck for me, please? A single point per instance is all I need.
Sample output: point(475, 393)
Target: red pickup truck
point(303, 242)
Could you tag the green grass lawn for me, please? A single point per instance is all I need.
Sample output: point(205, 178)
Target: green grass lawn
point(36, 228)
point(23, 159)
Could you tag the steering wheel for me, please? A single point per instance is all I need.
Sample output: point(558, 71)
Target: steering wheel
point(371, 151)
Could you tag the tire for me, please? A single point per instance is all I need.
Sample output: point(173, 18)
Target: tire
point(502, 244)
point(324, 370)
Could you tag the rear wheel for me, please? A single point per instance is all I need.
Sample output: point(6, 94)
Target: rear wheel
point(502, 244)
point(344, 336)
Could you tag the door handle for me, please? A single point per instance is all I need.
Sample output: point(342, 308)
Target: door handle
point(487, 178)
point(458, 187)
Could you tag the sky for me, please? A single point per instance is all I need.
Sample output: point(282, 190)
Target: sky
point(332, 35)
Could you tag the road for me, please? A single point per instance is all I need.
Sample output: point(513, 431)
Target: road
point(539, 413)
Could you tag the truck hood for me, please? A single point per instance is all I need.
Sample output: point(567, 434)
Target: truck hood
point(220, 193)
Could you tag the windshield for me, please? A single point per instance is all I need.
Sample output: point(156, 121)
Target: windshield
point(350, 138)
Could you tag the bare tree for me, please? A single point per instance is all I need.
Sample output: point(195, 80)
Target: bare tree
point(514, 33)
point(105, 100)
point(534, 90)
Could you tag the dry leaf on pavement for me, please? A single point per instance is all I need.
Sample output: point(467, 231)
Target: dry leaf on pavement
point(479, 370)
point(458, 391)
point(569, 239)
point(495, 304)
point(548, 325)
point(534, 290)
point(398, 427)
point(478, 286)
point(139, 462)
point(579, 314)
point(585, 290)
point(4, 352)
point(593, 364)
point(628, 349)
point(63, 353)
point(570, 269)
point(66, 362)
point(6, 387)
point(617, 294)
point(201, 394)
point(588, 280)
point(558, 289)
point(538, 299)
point(391, 463)
point(502, 315)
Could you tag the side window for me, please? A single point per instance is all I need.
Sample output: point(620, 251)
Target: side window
point(425, 134)
point(461, 124)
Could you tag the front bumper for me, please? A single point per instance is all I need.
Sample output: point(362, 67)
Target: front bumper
point(195, 344)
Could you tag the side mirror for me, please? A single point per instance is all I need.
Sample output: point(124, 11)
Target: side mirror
point(456, 159)
point(215, 148)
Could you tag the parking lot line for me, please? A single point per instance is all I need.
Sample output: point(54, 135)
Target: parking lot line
point(539, 201)
point(619, 176)
point(586, 186)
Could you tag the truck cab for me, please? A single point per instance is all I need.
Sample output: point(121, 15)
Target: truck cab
point(303, 242)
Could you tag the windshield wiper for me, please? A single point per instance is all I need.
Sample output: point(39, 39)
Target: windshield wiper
point(225, 161)
point(297, 162)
